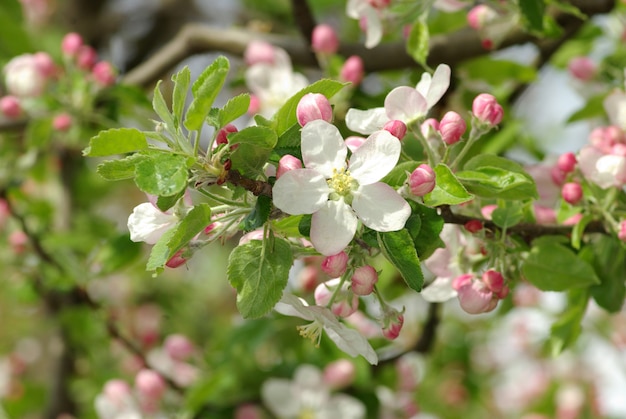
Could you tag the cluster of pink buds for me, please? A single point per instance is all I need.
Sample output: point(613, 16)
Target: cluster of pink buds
point(582, 68)
point(86, 58)
point(480, 295)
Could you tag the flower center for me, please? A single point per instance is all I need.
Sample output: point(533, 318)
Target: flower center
point(342, 182)
point(312, 331)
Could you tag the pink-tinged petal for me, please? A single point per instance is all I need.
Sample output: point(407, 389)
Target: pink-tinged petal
point(290, 305)
point(333, 227)
point(374, 29)
point(406, 104)
point(147, 223)
point(375, 157)
point(323, 148)
point(354, 8)
point(300, 191)
point(424, 84)
point(380, 207)
point(366, 122)
point(438, 85)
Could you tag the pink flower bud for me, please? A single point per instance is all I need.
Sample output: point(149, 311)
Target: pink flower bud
point(582, 68)
point(104, 73)
point(18, 241)
point(429, 128)
point(222, 134)
point(313, 106)
point(353, 70)
point(45, 64)
point(117, 391)
point(566, 162)
point(622, 231)
point(339, 374)
point(473, 226)
point(62, 122)
point(86, 58)
point(255, 105)
point(452, 127)
point(345, 302)
point(422, 180)
point(150, 384)
point(572, 192)
point(259, 52)
point(287, 163)
point(178, 347)
point(71, 44)
point(487, 210)
point(252, 235)
point(487, 109)
point(393, 324)
point(176, 260)
point(474, 296)
point(493, 280)
point(248, 411)
point(324, 39)
point(480, 15)
point(335, 265)
point(396, 127)
point(558, 176)
point(353, 142)
point(10, 107)
point(363, 280)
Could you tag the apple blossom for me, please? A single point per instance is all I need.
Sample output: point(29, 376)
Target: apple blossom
point(494, 281)
point(451, 127)
point(335, 265)
point(352, 70)
point(62, 122)
point(480, 15)
point(24, 76)
point(348, 340)
point(86, 58)
point(324, 39)
point(71, 44)
point(286, 163)
point(603, 169)
point(403, 103)
point(10, 107)
point(487, 210)
point(422, 180)
point(369, 16)
point(363, 280)
point(572, 192)
point(474, 296)
point(147, 223)
point(567, 162)
point(339, 194)
point(487, 110)
point(313, 106)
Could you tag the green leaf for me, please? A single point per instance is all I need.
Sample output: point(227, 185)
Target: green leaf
point(289, 142)
point(398, 175)
point(418, 43)
point(178, 237)
point(234, 108)
point(161, 109)
point(166, 202)
point(533, 11)
point(259, 215)
point(505, 217)
point(579, 230)
point(259, 271)
point(116, 141)
point(119, 169)
point(566, 329)
point(608, 258)
point(553, 267)
point(181, 80)
point(285, 117)
point(491, 176)
point(431, 224)
point(255, 144)
point(205, 89)
point(594, 107)
point(288, 226)
point(397, 246)
point(162, 174)
point(448, 190)
point(497, 72)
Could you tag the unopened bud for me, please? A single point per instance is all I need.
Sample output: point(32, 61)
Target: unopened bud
point(474, 296)
point(363, 280)
point(396, 127)
point(178, 347)
point(422, 180)
point(558, 176)
point(479, 16)
point(10, 107)
point(452, 127)
point(248, 411)
point(176, 260)
point(287, 163)
point(45, 64)
point(335, 265)
point(62, 122)
point(339, 374)
point(392, 324)
point(71, 44)
point(324, 39)
point(566, 162)
point(572, 192)
point(487, 110)
point(86, 58)
point(259, 52)
point(103, 73)
point(353, 70)
point(473, 226)
point(150, 384)
point(313, 106)
point(582, 68)
point(494, 280)
point(222, 134)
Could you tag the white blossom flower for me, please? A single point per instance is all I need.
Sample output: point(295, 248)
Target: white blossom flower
point(338, 195)
point(348, 340)
point(147, 223)
point(274, 83)
point(362, 10)
point(308, 396)
point(403, 103)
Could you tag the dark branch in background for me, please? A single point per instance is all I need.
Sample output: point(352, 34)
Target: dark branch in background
point(451, 48)
point(304, 19)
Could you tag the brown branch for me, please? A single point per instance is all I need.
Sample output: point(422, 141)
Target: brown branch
point(429, 331)
point(257, 187)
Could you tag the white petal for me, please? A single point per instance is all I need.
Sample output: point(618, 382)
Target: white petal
point(615, 106)
point(374, 27)
point(366, 122)
point(147, 223)
point(323, 148)
point(300, 191)
point(375, 157)
point(290, 305)
point(380, 207)
point(259, 78)
point(406, 104)
point(278, 395)
point(333, 227)
point(438, 85)
point(439, 291)
point(449, 5)
point(354, 8)
point(424, 84)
